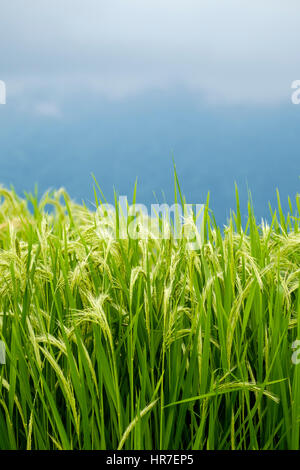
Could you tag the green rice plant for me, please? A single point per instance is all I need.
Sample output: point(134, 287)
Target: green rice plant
point(142, 343)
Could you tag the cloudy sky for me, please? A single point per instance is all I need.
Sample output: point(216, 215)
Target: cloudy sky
point(225, 51)
point(118, 87)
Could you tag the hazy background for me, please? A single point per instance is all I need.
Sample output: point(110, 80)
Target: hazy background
point(118, 87)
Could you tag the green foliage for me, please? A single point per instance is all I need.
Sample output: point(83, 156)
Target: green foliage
point(145, 344)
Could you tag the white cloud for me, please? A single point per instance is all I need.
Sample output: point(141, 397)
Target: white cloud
point(225, 50)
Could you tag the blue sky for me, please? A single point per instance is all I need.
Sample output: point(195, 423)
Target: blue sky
point(117, 87)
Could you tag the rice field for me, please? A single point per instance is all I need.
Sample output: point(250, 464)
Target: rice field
point(142, 343)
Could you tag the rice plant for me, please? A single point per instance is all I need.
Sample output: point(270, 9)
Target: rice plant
point(142, 343)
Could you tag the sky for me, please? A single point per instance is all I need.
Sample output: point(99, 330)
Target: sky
point(229, 51)
point(120, 63)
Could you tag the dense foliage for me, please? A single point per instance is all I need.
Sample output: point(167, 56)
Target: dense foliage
point(144, 344)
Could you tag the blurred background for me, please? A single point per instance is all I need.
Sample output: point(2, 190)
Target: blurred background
point(120, 87)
